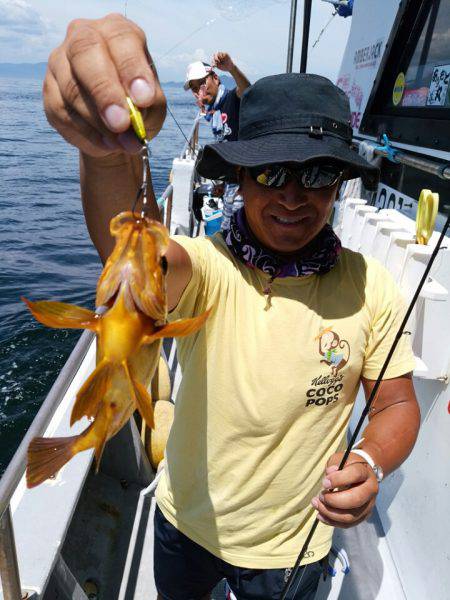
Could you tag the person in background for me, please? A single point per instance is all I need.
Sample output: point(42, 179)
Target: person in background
point(220, 105)
point(221, 108)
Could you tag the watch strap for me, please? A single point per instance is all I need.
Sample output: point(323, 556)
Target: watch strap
point(375, 468)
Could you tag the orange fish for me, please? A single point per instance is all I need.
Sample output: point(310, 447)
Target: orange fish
point(129, 337)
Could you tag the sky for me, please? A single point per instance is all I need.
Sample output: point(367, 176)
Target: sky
point(254, 32)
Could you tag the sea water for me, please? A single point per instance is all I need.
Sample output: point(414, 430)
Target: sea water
point(45, 250)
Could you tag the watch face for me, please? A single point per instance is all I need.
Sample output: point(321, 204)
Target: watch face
point(378, 472)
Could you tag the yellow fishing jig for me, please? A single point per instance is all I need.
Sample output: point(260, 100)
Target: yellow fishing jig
point(137, 122)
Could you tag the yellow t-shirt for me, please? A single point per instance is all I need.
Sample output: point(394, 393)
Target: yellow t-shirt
point(266, 397)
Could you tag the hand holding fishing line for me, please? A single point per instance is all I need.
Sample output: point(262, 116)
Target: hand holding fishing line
point(89, 76)
point(222, 61)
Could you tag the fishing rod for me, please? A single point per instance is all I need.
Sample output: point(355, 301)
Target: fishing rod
point(369, 402)
point(305, 38)
point(291, 40)
point(322, 31)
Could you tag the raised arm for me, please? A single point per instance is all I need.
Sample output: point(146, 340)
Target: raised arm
point(99, 63)
point(223, 61)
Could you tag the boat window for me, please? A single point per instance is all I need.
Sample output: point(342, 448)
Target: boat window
point(410, 99)
point(426, 80)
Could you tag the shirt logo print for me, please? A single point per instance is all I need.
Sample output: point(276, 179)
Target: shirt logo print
point(334, 352)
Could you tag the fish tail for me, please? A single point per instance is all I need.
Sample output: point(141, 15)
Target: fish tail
point(46, 456)
point(141, 397)
point(92, 391)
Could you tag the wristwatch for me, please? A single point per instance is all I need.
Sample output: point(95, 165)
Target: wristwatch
point(375, 468)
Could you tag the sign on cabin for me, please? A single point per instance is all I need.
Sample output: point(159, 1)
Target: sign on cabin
point(438, 92)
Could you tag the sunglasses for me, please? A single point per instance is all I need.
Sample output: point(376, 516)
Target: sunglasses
point(195, 85)
point(310, 177)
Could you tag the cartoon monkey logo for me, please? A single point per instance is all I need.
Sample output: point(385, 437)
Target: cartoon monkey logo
point(329, 345)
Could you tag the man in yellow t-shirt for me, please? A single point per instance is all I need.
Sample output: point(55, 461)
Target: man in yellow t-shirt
point(269, 383)
point(297, 323)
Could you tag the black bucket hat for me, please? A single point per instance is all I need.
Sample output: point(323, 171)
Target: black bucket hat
point(289, 118)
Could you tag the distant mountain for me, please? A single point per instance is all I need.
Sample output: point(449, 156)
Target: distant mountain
point(225, 79)
point(28, 70)
point(37, 71)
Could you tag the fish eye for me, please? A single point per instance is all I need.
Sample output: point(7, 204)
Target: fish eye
point(164, 265)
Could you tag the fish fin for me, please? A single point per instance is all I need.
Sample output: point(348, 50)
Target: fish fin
point(62, 315)
point(147, 282)
point(121, 228)
point(92, 391)
point(142, 398)
point(179, 328)
point(46, 456)
point(144, 403)
point(99, 448)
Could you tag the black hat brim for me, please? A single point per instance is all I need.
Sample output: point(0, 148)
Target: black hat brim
point(219, 160)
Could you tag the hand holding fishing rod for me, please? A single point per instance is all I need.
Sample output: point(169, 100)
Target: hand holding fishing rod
point(350, 489)
point(373, 396)
point(88, 79)
point(348, 495)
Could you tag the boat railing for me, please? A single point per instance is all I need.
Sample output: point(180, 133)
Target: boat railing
point(9, 570)
point(441, 170)
point(190, 148)
point(165, 206)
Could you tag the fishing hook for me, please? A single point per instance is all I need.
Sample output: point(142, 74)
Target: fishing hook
point(369, 402)
point(143, 189)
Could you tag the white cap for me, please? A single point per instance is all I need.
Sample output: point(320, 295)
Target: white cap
point(196, 70)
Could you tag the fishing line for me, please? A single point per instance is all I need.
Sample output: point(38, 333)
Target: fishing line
point(323, 30)
point(138, 195)
point(230, 8)
point(179, 127)
point(236, 11)
point(207, 24)
point(143, 189)
point(300, 580)
point(371, 398)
